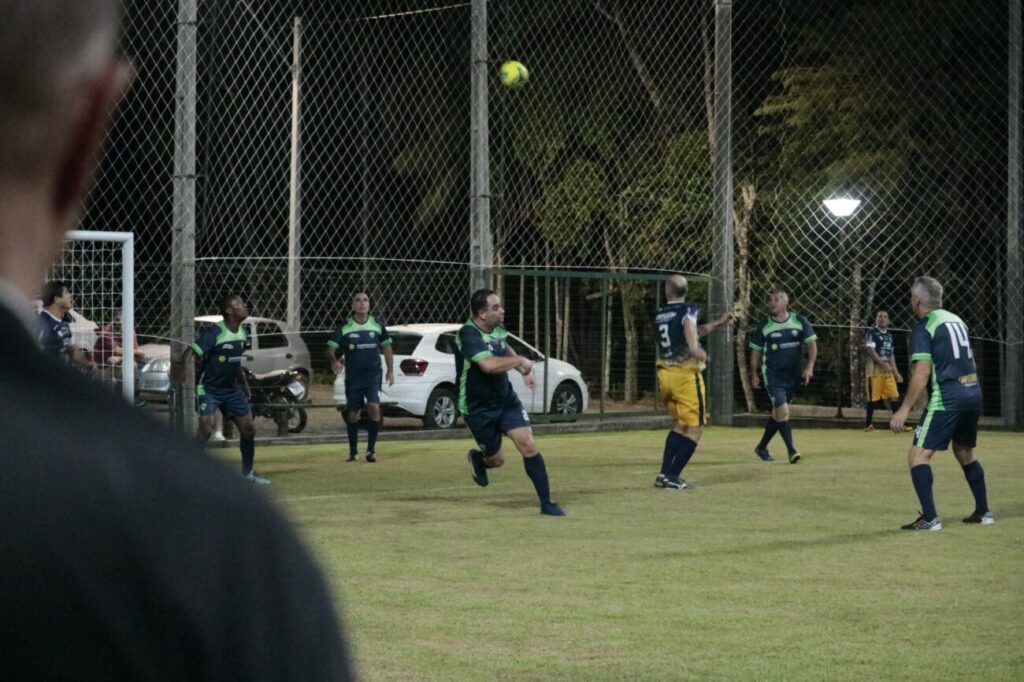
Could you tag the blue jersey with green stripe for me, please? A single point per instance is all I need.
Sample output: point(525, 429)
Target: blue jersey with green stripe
point(477, 389)
point(782, 347)
point(361, 343)
point(220, 352)
point(942, 338)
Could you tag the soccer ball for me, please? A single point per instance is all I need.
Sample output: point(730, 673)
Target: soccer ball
point(513, 75)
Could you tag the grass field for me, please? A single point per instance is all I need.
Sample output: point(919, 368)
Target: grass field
point(765, 571)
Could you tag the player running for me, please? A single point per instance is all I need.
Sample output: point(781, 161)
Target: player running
point(777, 357)
point(941, 351)
point(490, 406)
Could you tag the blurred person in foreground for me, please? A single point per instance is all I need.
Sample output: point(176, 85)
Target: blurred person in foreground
point(126, 553)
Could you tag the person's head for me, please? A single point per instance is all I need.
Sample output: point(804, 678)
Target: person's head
point(778, 302)
point(232, 307)
point(60, 81)
point(676, 288)
point(486, 308)
point(925, 296)
point(57, 295)
point(882, 319)
point(360, 303)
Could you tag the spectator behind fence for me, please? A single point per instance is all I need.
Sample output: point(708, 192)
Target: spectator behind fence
point(126, 553)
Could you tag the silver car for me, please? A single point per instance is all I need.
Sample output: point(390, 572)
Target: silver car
point(274, 347)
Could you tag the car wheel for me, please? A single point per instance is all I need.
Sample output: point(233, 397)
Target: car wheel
point(567, 399)
point(442, 409)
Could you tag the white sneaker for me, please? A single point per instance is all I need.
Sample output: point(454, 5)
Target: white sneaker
point(218, 437)
point(255, 479)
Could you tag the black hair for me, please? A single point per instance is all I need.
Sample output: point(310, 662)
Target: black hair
point(54, 289)
point(225, 301)
point(478, 301)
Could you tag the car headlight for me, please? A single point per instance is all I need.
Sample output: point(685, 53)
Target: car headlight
point(158, 366)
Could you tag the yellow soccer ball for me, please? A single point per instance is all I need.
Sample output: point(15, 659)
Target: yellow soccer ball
point(514, 75)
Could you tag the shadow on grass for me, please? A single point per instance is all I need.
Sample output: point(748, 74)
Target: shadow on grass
point(780, 545)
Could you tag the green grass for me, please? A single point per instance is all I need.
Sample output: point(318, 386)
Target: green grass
point(765, 571)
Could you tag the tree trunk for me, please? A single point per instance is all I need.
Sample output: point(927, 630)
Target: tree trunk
point(857, 390)
point(632, 301)
point(563, 351)
point(606, 364)
point(743, 215)
point(522, 303)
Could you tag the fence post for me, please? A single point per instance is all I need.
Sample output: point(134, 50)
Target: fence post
point(1013, 414)
point(481, 246)
point(295, 187)
point(183, 225)
point(722, 280)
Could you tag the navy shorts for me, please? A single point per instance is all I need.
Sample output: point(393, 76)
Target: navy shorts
point(937, 429)
point(779, 394)
point(359, 394)
point(489, 424)
point(230, 401)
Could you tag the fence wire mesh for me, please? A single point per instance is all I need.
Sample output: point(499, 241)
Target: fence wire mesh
point(348, 125)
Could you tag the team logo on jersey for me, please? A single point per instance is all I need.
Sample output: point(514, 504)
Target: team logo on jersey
point(222, 358)
point(351, 346)
point(795, 332)
point(373, 335)
point(227, 346)
point(775, 346)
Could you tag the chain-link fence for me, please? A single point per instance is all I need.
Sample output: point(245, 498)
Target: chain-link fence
point(299, 150)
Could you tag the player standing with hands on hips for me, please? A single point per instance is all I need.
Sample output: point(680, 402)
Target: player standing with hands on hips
point(490, 406)
point(680, 363)
point(941, 350)
point(777, 357)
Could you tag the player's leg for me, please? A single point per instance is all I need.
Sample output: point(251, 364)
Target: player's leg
point(516, 424)
point(236, 408)
point(771, 427)
point(207, 407)
point(373, 417)
point(965, 438)
point(869, 405)
point(484, 425)
point(665, 392)
point(691, 417)
point(782, 397)
point(890, 395)
point(353, 405)
point(933, 434)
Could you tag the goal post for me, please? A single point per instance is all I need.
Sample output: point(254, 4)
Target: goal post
point(100, 267)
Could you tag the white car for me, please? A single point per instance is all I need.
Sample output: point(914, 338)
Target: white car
point(425, 378)
point(273, 347)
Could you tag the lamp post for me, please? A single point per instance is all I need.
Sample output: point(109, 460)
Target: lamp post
point(841, 208)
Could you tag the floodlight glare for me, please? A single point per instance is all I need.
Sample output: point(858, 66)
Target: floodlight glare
point(842, 207)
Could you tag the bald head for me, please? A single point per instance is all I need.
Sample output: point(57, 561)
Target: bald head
point(676, 287)
point(49, 49)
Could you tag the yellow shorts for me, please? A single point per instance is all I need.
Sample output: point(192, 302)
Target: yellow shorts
point(682, 391)
point(882, 387)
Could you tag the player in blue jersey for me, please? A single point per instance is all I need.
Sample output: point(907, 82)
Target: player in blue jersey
point(221, 385)
point(680, 384)
point(777, 358)
point(356, 345)
point(942, 356)
point(881, 373)
point(55, 335)
point(487, 400)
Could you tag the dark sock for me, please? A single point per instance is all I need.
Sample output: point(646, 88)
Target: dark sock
point(538, 473)
point(869, 414)
point(786, 431)
point(975, 476)
point(686, 449)
point(672, 446)
point(248, 448)
point(372, 429)
point(770, 429)
point(893, 406)
point(921, 475)
point(353, 439)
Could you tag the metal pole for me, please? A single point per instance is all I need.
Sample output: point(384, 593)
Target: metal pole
point(481, 247)
point(128, 318)
point(183, 216)
point(295, 186)
point(1013, 371)
point(723, 280)
point(604, 341)
point(547, 340)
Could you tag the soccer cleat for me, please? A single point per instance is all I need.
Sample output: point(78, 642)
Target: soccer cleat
point(670, 484)
point(352, 458)
point(870, 428)
point(478, 469)
point(764, 454)
point(217, 437)
point(985, 519)
point(794, 457)
point(371, 457)
point(551, 509)
point(256, 479)
point(908, 429)
point(659, 481)
point(921, 524)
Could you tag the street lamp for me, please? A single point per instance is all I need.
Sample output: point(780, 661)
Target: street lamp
point(841, 208)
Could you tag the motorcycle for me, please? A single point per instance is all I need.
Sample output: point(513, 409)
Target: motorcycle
point(279, 395)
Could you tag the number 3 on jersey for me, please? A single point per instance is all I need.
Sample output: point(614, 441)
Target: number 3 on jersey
point(663, 332)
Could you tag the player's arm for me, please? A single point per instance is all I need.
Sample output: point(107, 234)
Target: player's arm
point(496, 365)
point(918, 381)
point(389, 364)
point(243, 382)
point(709, 327)
point(755, 365)
point(812, 357)
point(692, 343)
point(79, 356)
point(331, 352)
